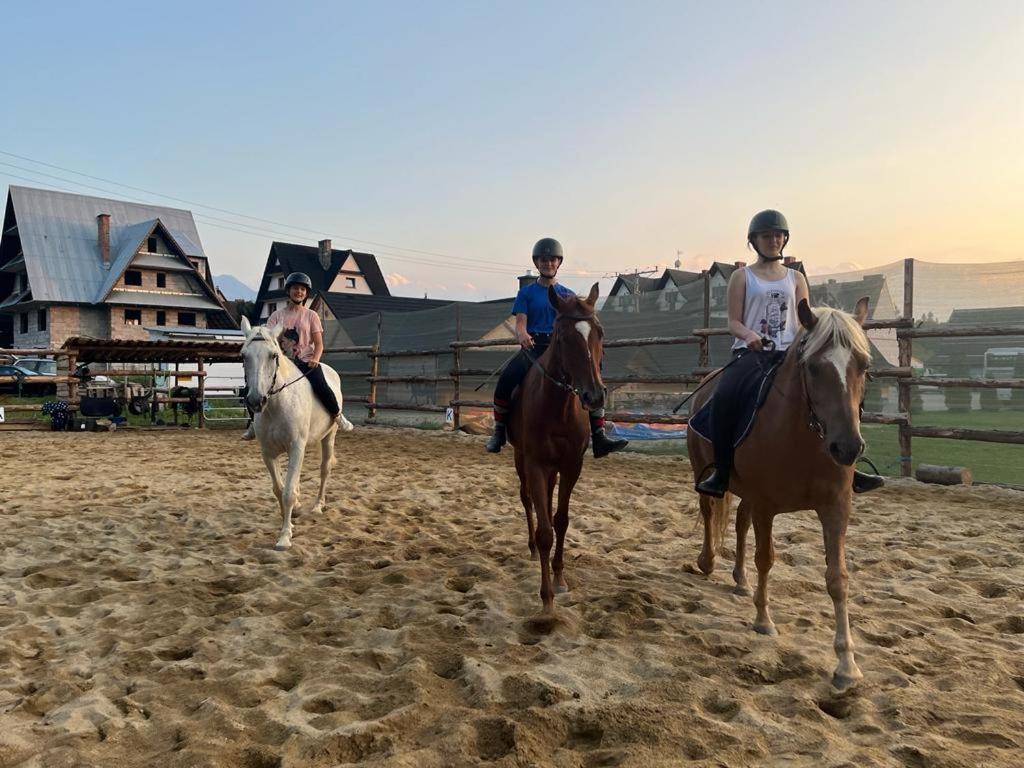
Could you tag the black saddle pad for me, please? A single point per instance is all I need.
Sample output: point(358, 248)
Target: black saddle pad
point(751, 394)
point(99, 406)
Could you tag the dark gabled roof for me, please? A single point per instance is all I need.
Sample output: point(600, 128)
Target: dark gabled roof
point(989, 316)
point(625, 283)
point(844, 294)
point(344, 305)
point(678, 277)
point(306, 258)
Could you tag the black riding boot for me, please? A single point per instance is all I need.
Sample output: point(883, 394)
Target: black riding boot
point(717, 485)
point(863, 482)
point(603, 445)
point(498, 439)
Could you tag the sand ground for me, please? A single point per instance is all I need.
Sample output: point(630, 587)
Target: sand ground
point(145, 619)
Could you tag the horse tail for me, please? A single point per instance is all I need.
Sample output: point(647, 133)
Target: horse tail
point(344, 424)
point(720, 519)
point(716, 518)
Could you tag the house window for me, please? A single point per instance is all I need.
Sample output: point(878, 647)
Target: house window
point(161, 317)
point(23, 323)
point(187, 318)
point(280, 282)
point(41, 319)
point(161, 280)
point(133, 317)
point(133, 277)
point(151, 245)
point(350, 282)
point(271, 308)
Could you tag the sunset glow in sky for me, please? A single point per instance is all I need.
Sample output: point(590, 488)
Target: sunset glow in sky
point(458, 133)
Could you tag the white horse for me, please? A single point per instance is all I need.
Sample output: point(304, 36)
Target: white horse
point(287, 417)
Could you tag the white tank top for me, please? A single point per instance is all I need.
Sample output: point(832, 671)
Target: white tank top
point(769, 308)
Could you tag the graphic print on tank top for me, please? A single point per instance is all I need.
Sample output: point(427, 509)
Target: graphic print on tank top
point(773, 324)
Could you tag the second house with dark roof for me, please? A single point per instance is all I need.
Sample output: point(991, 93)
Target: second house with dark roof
point(332, 271)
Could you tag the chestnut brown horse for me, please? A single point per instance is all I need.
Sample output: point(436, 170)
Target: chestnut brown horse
point(799, 455)
point(550, 430)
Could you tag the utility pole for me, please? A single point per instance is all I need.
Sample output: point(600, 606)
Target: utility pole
point(633, 279)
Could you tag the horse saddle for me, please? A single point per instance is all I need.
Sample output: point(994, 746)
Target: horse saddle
point(750, 395)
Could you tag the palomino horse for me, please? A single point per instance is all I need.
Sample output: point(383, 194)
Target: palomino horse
point(550, 430)
point(799, 455)
point(287, 416)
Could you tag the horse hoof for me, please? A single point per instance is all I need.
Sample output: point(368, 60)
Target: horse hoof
point(742, 590)
point(843, 683)
point(282, 546)
point(766, 629)
point(706, 568)
point(561, 589)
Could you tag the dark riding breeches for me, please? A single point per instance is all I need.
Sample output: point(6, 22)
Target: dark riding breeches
point(515, 372)
point(321, 388)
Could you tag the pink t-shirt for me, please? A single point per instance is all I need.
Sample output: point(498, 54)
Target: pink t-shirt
point(299, 326)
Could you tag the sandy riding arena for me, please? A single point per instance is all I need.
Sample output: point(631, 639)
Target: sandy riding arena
point(145, 619)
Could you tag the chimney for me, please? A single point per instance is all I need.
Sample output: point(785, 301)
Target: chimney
point(103, 237)
point(788, 259)
point(739, 264)
point(325, 254)
point(528, 279)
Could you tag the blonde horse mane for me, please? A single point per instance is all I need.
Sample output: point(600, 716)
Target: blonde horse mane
point(837, 328)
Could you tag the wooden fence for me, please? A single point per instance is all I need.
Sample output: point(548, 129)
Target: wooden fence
point(904, 327)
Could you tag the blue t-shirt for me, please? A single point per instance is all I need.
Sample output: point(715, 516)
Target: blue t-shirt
point(533, 302)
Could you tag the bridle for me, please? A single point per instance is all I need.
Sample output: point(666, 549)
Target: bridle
point(813, 421)
point(274, 390)
point(561, 384)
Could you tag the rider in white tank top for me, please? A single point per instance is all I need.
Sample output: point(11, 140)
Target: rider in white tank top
point(770, 309)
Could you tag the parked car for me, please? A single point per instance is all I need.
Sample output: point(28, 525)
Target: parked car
point(44, 366)
point(26, 388)
point(40, 366)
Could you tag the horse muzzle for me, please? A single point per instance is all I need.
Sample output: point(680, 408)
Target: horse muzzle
point(255, 404)
point(592, 400)
point(846, 452)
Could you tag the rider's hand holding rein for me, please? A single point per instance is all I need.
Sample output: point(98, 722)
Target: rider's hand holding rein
point(522, 336)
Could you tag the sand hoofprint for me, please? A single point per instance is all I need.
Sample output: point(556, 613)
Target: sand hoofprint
point(146, 620)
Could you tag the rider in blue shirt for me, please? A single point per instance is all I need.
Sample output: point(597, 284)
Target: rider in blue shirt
point(535, 321)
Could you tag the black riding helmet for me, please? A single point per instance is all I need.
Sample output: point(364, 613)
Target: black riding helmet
point(298, 278)
point(767, 221)
point(548, 246)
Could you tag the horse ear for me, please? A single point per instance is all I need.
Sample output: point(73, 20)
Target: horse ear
point(554, 298)
point(276, 331)
point(860, 314)
point(595, 291)
point(807, 318)
point(246, 326)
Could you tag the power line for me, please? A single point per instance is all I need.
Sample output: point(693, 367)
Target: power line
point(253, 231)
point(193, 203)
point(477, 264)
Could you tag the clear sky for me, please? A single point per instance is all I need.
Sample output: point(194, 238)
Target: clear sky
point(458, 133)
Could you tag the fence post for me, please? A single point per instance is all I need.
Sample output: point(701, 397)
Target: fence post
point(906, 354)
point(456, 365)
point(705, 341)
point(72, 360)
point(371, 412)
point(202, 393)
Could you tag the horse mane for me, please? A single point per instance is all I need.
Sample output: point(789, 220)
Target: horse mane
point(837, 328)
